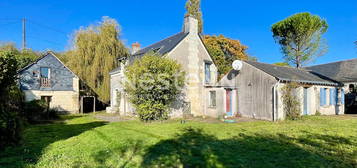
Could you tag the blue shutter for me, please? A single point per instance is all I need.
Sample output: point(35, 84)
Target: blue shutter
point(336, 96)
point(322, 97)
point(333, 96)
point(342, 96)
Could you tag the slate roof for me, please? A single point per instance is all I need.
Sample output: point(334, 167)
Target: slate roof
point(288, 74)
point(162, 47)
point(116, 70)
point(43, 56)
point(342, 71)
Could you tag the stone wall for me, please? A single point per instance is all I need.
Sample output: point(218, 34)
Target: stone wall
point(63, 101)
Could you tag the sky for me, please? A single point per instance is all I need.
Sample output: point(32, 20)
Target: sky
point(50, 23)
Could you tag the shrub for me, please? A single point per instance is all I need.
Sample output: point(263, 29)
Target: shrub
point(37, 110)
point(318, 113)
point(291, 101)
point(10, 101)
point(153, 84)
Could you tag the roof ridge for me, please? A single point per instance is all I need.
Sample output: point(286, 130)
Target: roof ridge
point(138, 53)
point(334, 62)
point(281, 66)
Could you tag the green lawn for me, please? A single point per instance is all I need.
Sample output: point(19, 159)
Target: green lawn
point(82, 141)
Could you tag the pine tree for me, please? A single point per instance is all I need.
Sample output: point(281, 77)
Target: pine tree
point(94, 54)
point(193, 8)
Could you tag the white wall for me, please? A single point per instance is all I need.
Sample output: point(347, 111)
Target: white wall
point(313, 101)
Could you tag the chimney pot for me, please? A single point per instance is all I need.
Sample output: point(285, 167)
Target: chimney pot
point(135, 47)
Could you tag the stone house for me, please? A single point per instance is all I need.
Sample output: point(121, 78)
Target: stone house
point(50, 80)
point(257, 91)
point(186, 48)
point(254, 91)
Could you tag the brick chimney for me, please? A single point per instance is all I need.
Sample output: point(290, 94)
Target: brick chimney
point(190, 25)
point(135, 47)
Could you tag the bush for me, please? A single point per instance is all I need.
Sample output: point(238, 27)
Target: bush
point(37, 110)
point(291, 101)
point(10, 101)
point(153, 84)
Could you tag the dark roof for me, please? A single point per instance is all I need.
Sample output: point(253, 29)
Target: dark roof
point(288, 74)
point(342, 71)
point(162, 47)
point(48, 53)
point(115, 70)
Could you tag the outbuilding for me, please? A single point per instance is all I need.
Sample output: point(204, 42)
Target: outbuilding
point(255, 91)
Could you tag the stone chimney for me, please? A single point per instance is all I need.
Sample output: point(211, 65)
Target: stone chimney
point(190, 25)
point(135, 47)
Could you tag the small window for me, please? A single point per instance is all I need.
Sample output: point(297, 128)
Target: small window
point(45, 72)
point(207, 72)
point(212, 98)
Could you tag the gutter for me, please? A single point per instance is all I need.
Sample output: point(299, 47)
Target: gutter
point(275, 118)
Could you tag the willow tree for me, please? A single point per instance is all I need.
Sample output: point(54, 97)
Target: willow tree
point(300, 37)
point(94, 54)
point(193, 8)
point(224, 51)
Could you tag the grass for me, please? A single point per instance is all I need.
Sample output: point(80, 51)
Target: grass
point(82, 141)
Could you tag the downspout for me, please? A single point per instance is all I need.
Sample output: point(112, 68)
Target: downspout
point(275, 101)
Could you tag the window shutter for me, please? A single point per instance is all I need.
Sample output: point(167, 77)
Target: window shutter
point(333, 96)
point(321, 96)
point(336, 96)
point(342, 96)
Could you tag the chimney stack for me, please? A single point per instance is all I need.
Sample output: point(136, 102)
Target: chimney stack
point(190, 25)
point(135, 47)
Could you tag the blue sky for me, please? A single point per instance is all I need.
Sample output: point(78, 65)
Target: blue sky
point(50, 23)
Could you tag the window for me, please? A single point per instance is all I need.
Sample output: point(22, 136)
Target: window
point(212, 98)
point(46, 99)
point(323, 101)
point(207, 72)
point(45, 72)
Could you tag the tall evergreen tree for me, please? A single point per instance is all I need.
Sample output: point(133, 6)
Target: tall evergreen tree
point(300, 37)
point(94, 54)
point(193, 8)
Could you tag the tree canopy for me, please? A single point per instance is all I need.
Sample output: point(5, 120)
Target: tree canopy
point(300, 37)
point(224, 51)
point(23, 57)
point(94, 54)
point(284, 64)
point(153, 84)
point(193, 8)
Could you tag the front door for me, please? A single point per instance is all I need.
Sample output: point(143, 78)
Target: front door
point(229, 111)
point(306, 109)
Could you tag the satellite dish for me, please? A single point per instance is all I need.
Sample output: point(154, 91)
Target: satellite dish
point(237, 65)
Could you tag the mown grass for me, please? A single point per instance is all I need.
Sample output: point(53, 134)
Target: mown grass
point(82, 141)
